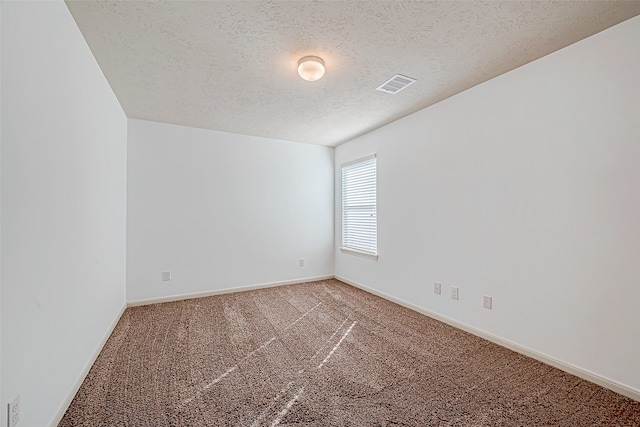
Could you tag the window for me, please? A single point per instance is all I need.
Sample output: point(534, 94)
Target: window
point(359, 222)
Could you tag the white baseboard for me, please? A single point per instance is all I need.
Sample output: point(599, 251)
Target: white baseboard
point(181, 297)
point(622, 389)
point(85, 371)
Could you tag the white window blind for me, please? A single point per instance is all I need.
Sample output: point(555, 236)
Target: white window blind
point(359, 223)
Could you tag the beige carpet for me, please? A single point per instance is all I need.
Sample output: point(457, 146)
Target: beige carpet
point(322, 354)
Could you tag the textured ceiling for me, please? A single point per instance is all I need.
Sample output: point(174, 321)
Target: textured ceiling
point(231, 65)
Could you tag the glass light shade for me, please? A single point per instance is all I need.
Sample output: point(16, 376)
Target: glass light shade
point(311, 68)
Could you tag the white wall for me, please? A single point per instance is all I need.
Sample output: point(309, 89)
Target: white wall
point(1, 402)
point(221, 210)
point(525, 188)
point(63, 208)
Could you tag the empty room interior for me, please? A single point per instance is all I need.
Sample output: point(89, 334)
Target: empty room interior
point(320, 213)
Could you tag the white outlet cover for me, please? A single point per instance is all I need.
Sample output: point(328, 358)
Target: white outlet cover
point(166, 276)
point(454, 292)
point(301, 262)
point(437, 288)
point(14, 411)
point(487, 302)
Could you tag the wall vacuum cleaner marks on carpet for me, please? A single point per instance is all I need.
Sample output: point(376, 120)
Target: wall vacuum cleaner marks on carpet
point(337, 345)
point(258, 422)
point(303, 316)
point(222, 376)
point(277, 397)
point(299, 378)
point(329, 340)
point(290, 403)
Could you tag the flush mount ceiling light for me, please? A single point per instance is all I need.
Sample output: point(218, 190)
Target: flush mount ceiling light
point(311, 68)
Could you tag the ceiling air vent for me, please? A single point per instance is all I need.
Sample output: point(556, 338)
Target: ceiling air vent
point(395, 84)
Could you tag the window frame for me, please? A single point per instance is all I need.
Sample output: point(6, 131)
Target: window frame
point(351, 250)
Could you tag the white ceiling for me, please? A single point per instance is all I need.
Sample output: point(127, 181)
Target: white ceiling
point(231, 65)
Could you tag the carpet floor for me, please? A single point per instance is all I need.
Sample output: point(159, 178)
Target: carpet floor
point(322, 354)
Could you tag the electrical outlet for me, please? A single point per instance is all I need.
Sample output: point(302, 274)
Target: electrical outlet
point(166, 276)
point(437, 288)
point(14, 411)
point(486, 302)
point(454, 292)
point(301, 262)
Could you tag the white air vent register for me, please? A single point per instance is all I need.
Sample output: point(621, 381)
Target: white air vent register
point(395, 84)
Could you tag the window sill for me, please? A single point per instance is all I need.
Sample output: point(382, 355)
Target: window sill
point(367, 255)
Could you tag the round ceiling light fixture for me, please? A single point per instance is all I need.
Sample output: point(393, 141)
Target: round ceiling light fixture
point(311, 68)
